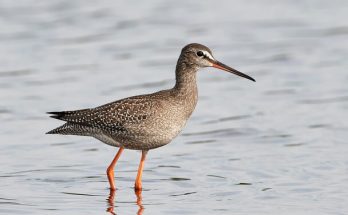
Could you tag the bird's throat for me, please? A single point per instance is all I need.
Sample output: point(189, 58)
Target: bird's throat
point(185, 89)
point(186, 78)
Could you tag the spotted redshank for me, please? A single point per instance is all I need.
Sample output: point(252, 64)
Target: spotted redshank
point(148, 121)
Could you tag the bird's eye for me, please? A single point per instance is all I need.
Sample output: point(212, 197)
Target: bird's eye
point(200, 54)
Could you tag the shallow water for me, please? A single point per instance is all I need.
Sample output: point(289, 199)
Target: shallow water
point(277, 146)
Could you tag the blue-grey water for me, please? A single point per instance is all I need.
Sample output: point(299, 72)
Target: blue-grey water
point(277, 146)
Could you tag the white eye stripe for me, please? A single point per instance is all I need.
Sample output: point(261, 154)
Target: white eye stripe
point(208, 55)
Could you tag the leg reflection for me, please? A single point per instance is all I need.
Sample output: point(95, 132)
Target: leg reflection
point(110, 199)
point(139, 202)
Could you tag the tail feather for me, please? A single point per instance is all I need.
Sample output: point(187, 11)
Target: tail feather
point(68, 115)
point(72, 129)
point(59, 114)
point(56, 116)
point(60, 130)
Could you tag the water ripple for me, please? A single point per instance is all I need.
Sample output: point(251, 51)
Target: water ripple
point(183, 194)
point(16, 73)
point(325, 100)
point(230, 118)
point(79, 194)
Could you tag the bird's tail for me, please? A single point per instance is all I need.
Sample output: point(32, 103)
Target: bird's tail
point(70, 116)
point(72, 129)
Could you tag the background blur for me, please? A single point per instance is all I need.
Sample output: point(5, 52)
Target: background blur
point(277, 146)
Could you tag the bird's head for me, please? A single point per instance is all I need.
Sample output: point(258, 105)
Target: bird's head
point(200, 56)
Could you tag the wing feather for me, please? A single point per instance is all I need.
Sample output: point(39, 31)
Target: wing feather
point(115, 116)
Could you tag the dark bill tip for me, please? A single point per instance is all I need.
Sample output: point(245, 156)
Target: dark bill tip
point(222, 66)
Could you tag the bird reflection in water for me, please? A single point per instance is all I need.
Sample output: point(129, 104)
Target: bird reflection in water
point(111, 201)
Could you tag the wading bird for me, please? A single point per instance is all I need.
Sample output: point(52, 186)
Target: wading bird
point(148, 121)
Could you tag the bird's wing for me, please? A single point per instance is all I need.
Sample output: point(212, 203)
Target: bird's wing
point(113, 116)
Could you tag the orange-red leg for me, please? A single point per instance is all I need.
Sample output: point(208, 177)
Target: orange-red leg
point(138, 185)
point(110, 170)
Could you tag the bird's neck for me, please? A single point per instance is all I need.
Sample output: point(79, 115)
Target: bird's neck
point(186, 79)
point(185, 90)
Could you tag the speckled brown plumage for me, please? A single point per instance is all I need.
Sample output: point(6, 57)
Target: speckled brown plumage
point(147, 121)
point(140, 122)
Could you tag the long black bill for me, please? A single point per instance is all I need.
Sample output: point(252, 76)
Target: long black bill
point(222, 66)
